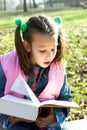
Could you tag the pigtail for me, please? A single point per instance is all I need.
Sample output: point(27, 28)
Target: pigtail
point(18, 40)
point(61, 48)
point(62, 43)
point(22, 53)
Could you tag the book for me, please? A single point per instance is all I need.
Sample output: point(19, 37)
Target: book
point(28, 108)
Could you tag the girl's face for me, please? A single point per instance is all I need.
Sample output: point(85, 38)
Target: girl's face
point(44, 49)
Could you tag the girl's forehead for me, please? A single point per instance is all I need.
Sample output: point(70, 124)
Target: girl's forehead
point(40, 39)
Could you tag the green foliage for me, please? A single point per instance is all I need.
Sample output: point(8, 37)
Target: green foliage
point(75, 28)
point(77, 66)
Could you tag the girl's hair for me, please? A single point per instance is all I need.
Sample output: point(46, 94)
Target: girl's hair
point(44, 25)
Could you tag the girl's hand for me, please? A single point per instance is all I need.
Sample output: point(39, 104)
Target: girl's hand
point(16, 119)
point(50, 119)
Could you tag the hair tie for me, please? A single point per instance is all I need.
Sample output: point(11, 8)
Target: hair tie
point(23, 26)
point(58, 20)
point(18, 21)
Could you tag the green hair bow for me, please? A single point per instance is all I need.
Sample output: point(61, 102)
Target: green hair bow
point(58, 20)
point(23, 26)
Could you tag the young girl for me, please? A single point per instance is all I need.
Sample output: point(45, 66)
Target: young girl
point(39, 58)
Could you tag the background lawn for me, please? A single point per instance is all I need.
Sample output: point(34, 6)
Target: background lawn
point(75, 28)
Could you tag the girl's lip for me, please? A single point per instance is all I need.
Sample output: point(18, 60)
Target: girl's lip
point(47, 63)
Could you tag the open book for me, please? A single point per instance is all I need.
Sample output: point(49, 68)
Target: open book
point(27, 108)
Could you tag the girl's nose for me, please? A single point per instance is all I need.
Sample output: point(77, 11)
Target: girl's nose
point(49, 55)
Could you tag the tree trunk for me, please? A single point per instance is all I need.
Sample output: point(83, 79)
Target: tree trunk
point(30, 4)
point(34, 4)
point(25, 6)
point(50, 3)
point(4, 4)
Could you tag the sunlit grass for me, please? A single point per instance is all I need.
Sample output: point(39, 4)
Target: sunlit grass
point(76, 16)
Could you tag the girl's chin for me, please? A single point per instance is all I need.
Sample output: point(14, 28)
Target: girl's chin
point(45, 65)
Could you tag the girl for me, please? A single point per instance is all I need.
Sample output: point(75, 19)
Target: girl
point(39, 56)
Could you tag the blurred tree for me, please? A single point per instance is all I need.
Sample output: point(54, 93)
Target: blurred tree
point(77, 3)
point(25, 6)
point(30, 5)
point(50, 2)
point(34, 4)
point(1, 5)
point(4, 2)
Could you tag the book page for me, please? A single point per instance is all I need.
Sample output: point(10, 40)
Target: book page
point(59, 103)
point(17, 99)
point(21, 87)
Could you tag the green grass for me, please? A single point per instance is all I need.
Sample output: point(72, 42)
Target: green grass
point(75, 27)
point(70, 16)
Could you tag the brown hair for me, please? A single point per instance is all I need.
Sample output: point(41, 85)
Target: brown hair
point(44, 25)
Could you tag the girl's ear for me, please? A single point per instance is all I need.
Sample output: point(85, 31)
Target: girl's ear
point(26, 46)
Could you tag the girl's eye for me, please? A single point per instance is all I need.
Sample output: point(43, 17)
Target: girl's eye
point(42, 51)
point(53, 50)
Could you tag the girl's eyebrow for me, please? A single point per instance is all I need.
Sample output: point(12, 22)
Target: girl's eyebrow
point(43, 46)
point(40, 46)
